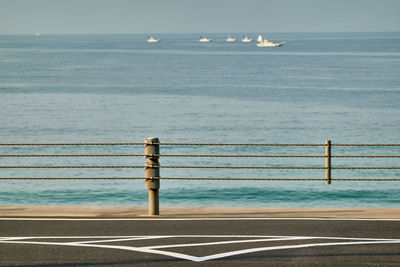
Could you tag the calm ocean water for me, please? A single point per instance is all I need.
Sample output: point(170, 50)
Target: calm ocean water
point(117, 88)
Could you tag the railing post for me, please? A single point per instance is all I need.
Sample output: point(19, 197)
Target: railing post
point(152, 173)
point(328, 161)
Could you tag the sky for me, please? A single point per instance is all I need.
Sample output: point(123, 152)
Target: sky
point(197, 16)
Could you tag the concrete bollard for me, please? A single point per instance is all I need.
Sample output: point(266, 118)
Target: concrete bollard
point(152, 173)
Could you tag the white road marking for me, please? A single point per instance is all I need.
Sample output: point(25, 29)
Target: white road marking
point(155, 249)
point(191, 236)
point(13, 238)
point(196, 219)
point(120, 239)
point(67, 237)
point(226, 242)
point(129, 248)
point(245, 251)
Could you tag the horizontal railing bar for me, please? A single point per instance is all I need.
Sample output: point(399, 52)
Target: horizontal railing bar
point(261, 144)
point(63, 167)
point(279, 179)
point(366, 179)
point(72, 144)
point(281, 156)
point(366, 168)
point(200, 155)
point(77, 155)
point(365, 144)
point(202, 167)
point(245, 179)
point(231, 144)
point(70, 178)
point(197, 178)
point(246, 156)
point(364, 156)
point(164, 155)
point(238, 167)
point(181, 144)
point(270, 167)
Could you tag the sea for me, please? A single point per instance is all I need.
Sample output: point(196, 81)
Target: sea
point(343, 87)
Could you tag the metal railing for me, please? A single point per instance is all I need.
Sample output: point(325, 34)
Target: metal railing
point(152, 166)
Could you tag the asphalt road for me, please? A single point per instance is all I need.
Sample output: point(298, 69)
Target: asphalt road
point(214, 242)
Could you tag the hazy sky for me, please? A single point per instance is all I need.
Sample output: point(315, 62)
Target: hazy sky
point(197, 16)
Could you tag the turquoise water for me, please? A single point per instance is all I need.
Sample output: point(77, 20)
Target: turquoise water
point(117, 88)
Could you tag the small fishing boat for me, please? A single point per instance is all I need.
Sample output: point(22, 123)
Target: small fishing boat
point(204, 39)
point(246, 39)
point(230, 39)
point(265, 43)
point(151, 39)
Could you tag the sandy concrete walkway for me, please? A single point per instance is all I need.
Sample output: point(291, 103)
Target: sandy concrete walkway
point(198, 212)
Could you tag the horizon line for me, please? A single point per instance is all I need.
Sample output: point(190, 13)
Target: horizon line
point(201, 33)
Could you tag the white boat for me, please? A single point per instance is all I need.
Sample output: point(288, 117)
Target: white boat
point(246, 39)
point(265, 43)
point(230, 39)
point(204, 40)
point(37, 34)
point(151, 39)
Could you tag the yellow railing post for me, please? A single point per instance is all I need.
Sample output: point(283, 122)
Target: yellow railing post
point(152, 173)
point(328, 161)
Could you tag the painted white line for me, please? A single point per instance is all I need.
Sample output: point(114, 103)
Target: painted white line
point(166, 253)
point(195, 219)
point(14, 240)
point(68, 237)
point(252, 250)
point(228, 242)
point(120, 239)
point(282, 238)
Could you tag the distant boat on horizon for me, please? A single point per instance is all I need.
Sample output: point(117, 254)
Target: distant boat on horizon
point(230, 39)
point(265, 43)
point(204, 39)
point(151, 39)
point(37, 34)
point(246, 39)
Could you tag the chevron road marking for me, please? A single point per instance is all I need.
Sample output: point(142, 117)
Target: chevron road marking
point(156, 249)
